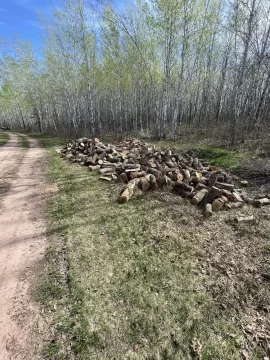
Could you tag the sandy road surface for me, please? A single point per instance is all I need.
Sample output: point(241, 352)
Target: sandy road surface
point(22, 244)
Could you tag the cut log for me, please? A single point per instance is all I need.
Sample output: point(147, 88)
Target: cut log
point(131, 166)
point(107, 164)
point(208, 210)
point(245, 219)
point(199, 196)
point(179, 177)
point(107, 178)
point(129, 171)
point(224, 198)
point(218, 204)
point(69, 156)
point(195, 163)
point(94, 167)
point(237, 196)
point(136, 174)
point(186, 174)
point(244, 183)
point(113, 159)
point(127, 192)
point(94, 158)
point(144, 184)
point(109, 171)
point(151, 164)
point(234, 205)
point(247, 199)
point(184, 186)
point(224, 186)
point(154, 172)
point(152, 180)
point(261, 202)
point(170, 163)
point(213, 194)
point(197, 177)
point(212, 179)
point(162, 181)
point(123, 177)
point(228, 194)
point(200, 186)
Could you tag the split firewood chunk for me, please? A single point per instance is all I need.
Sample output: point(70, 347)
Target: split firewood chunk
point(261, 202)
point(144, 184)
point(245, 219)
point(154, 172)
point(199, 196)
point(107, 178)
point(237, 196)
point(208, 210)
point(127, 192)
point(94, 167)
point(213, 194)
point(234, 205)
point(123, 177)
point(218, 204)
point(224, 186)
point(137, 174)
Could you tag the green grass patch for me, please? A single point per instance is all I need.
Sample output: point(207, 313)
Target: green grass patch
point(23, 141)
point(121, 281)
point(220, 157)
point(215, 155)
point(3, 138)
point(47, 141)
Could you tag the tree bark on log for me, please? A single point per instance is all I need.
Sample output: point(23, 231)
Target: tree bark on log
point(218, 204)
point(127, 192)
point(94, 167)
point(199, 196)
point(208, 210)
point(144, 184)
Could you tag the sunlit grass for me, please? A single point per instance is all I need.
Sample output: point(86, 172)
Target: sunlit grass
point(120, 281)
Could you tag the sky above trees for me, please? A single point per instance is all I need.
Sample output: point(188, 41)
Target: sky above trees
point(21, 18)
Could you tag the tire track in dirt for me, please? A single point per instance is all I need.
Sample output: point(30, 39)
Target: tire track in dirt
point(10, 153)
point(22, 247)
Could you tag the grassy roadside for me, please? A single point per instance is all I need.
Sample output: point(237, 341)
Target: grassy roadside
point(23, 141)
point(3, 138)
point(122, 282)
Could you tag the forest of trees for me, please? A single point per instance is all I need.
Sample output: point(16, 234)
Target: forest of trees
point(152, 68)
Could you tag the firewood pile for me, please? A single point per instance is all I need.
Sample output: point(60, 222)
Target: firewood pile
point(144, 166)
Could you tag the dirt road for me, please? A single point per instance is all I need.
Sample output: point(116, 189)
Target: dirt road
point(22, 244)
